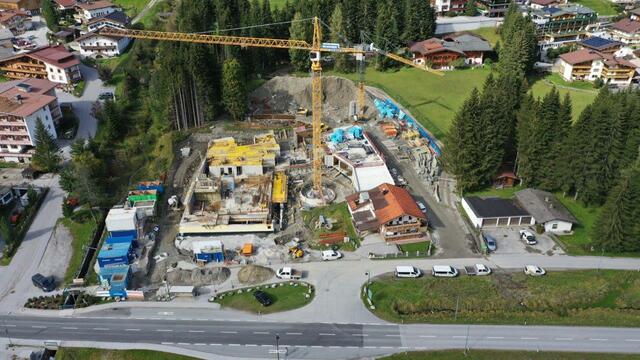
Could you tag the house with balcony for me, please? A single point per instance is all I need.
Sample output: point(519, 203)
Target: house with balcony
point(117, 19)
point(22, 103)
point(626, 31)
point(601, 45)
point(32, 6)
point(54, 63)
point(540, 4)
point(98, 46)
point(90, 10)
point(440, 53)
point(634, 14)
point(65, 5)
point(493, 8)
point(442, 7)
point(589, 65)
point(390, 211)
point(17, 21)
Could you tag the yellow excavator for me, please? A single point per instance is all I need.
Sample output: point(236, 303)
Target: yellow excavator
point(296, 252)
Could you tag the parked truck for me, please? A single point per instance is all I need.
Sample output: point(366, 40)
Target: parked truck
point(288, 273)
point(477, 269)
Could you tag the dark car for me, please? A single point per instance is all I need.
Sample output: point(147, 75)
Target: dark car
point(46, 283)
point(492, 245)
point(262, 297)
point(107, 95)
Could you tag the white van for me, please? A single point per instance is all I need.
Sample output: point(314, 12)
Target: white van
point(407, 272)
point(444, 271)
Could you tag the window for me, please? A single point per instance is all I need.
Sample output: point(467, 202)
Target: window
point(554, 226)
point(59, 70)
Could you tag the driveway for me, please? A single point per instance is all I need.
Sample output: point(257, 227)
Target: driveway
point(510, 243)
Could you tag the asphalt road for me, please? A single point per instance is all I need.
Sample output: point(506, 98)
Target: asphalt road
point(353, 339)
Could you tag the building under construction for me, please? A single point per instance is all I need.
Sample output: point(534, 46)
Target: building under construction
point(233, 188)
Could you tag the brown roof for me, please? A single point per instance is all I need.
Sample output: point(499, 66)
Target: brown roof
point(66, 3)
point(389, 202)
point(507, 175)
point(580, 56)
point(545, 2)
point(627, 25)
point(95, 5)
point(10, 14)
point(19, 103)
point(95, 33)
point(635, 11)
point(54, 55)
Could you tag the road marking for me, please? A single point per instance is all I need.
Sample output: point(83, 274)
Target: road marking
point(352, 347)
point(386, 347)
point(335, 347)
point(167, 343)
point(38, 326)
point(164, 330)
point(228, 332)
point(316, 346)
point(427, 336)
point(101, 329)
point(528, 338)
point(631, 339)
point(293, 333)
point(251, 345)
point(69, 328)
point(131, 329)
point(8, 325)
point(214, 344)
point(196, 331)
point(200, 344)
point(564, 339)
point(261, 332)
point(403, 347)
point(592, 339)
point(184, 344)
point(394, 335)
point(359, 335)
point(266, 345)
point(458, 336)
point(326, 334)
point(495, 337)
point(369, 347)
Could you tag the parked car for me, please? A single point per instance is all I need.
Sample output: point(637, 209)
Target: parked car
point(407, 272)
point(394, 171)
point(444, 271)
point(492, 244)
point(534, 270)
point(288, 273)
point(331, 255)
point(263, 298)
point(421, 206)
point(477, 269)
point(106, 95)
point(528, 237)
point(46, 283)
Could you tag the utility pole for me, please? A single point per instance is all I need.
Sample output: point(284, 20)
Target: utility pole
point(277, 346)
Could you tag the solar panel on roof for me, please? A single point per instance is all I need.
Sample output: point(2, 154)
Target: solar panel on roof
point(598, 42)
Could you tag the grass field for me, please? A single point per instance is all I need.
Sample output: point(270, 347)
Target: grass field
point(131, 7)
point(590, 297)
point(81, 232)
point(286, 297)
point(579, 98)
point(602, 7)
point(504, 355)
point(102, 354)
point(339, 213)
point(556, 79)
point(412, 248)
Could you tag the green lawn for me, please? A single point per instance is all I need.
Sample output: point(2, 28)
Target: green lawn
point(82, 232)
point(131, 7)
point(342, 222)
point(505, 193)
point(102, 354)
point(285, 297)
point(602, 7)
point(580, 85)
point(590, 297)
point(504, 355)
point(412, 248)
point(579, 98)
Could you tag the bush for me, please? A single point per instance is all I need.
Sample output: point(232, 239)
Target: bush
point(67, 210)
point(598, 83)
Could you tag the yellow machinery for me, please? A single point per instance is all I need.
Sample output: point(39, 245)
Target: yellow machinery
point(296, 252)
point(280, 188)
point(315, 49)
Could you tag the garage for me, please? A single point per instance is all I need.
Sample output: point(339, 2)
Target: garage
point(495, 212)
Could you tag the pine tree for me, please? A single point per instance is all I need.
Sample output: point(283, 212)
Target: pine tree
point(336, 35)
point(387, 35)
point(234, 93)
point(561, 155)
point(50, 15)
point(298, 31)
point(527, 119)
point(518, 50)
point(7, 232)
point(46, 157)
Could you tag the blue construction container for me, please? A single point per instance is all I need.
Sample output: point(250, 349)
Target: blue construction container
point(356, 132)
point(127, 239)
point(122, 233)
point(151, 185)
point(105, 273)
point(337, 136)
point(115, 254)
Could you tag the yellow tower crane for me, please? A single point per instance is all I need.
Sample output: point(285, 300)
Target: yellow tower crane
point(316, 48)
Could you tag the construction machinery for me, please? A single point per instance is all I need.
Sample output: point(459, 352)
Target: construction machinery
point(296, 252)
point(315, 49)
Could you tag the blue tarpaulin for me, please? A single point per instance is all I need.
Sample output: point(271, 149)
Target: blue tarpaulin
point(356, 132)
point(337, 136)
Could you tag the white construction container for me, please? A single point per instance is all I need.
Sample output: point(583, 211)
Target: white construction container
point(121, 219)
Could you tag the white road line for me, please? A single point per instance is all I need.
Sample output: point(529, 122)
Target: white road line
point(386, 347)
point(234, 344)
point(69, 328)
point(251, 345)
point(183, 343)
point(131, 329)
point(592, 339)
point(369, 347)
point(335, 347)
point(631, 339)
point(200, 344)
point(495, 337)
point(427, 336)
point(316, 346)
point(458, 336)
point(359, 335)
point(261, 332)
point(352, 347)
point(164, 330)
point(8, 325)
point(167, 343)
point(394, 335)
point(403, 347)
point(196, 331)
point(101, 329)
point(214, 344)
point(296, 333)
point(38, 326)
point(563, 339)
point(267, 345)
point(528, 338)
point(228, 332)
point(326, 334)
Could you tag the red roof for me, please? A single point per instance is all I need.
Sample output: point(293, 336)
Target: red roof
point(627, 25)
point(95, 5)
point(389, 202)
point(28, 102)
point(55, 55)
point(66, 3)
point(507, 174)
point(580, 56)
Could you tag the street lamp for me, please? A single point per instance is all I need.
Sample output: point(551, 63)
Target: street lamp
point(277, 346)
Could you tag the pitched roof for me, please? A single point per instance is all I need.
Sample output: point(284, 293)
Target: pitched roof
point(388, 202)
point(19, 103)
point(545, 2)
point(598, 43)
point(544, 206)
point(635, 11)
point(494, 207)
point(95, 5)
point(467, 42)
point(66, 3)
point(95, 33)
point(115, 16)
point(627, 25)
point(10, 14)
point(54, 55)
point(580, 56)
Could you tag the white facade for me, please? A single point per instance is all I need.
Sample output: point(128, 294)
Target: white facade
point(11, 147)
point(558, 226)
point(479, 222)
point(63, 76)
point(99, 24)
point(476, 221)
point(121, 219)
point(632, 40)
point(98, 45)
point(598, 70)
point(97, 13)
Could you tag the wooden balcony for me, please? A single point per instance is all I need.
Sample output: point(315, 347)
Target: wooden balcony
point(14, 132)
point(401, 227)
point(98, 48)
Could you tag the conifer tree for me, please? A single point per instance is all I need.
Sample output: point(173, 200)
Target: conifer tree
point(234, 93)
point(298, 31)
point(46, 157)
point(336, 24)
point(387, 35)
point(50, 15)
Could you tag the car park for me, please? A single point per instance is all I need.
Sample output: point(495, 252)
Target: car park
point(263, 298)
point(407, 272)
point(534, 270)
point(477, 269)
point(46, 283)
point(331, 255)
point(490, 242)
point(528, 237)
point(444, 271)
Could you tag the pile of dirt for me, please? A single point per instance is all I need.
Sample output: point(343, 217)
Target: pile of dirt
point(254, 274)
point(198, 277)
point(285, 94)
